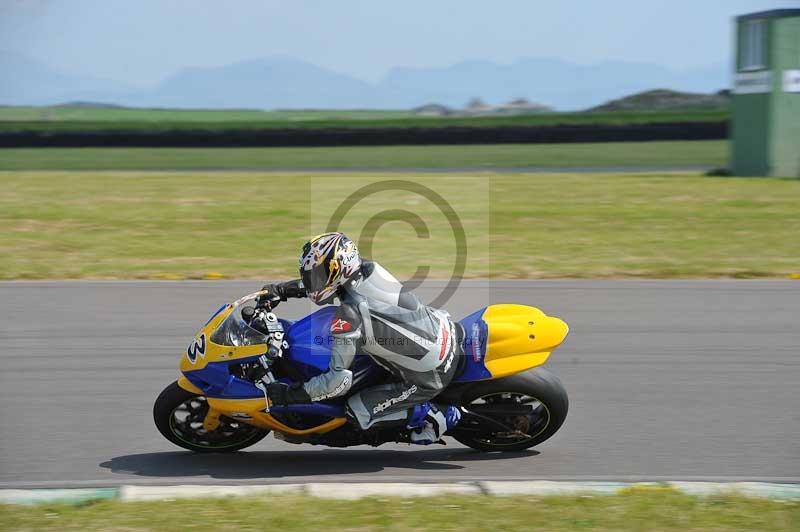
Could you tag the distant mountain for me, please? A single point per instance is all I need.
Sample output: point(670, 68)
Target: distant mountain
point(24, 81)
point(553, 82)
point(272, 82)
point(662, 100)
point(284, 82)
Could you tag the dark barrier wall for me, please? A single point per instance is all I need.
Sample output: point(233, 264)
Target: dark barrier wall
point(369, 136)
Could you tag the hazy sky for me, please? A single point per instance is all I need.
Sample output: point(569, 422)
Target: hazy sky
point(142, 41)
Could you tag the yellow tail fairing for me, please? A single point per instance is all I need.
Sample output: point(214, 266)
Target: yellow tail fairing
point(520, 338)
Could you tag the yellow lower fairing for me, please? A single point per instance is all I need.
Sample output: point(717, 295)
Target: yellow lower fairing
point(520, 338)
point(186, 384)
point(251, 411)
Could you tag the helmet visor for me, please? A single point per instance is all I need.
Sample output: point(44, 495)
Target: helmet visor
point(316, 278)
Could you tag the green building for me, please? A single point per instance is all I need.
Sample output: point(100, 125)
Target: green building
point(766, 97)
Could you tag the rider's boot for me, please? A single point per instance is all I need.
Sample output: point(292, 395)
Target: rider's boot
point(428, 422)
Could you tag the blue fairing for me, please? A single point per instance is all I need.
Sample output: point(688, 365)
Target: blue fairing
point(310, 345)
point(309, 351)
point(476, 334)
point(310, 342)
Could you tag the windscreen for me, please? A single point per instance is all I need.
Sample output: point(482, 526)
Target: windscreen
point(235, 331)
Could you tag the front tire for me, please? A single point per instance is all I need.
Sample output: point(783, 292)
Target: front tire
point(537, 388)
point(179, 415)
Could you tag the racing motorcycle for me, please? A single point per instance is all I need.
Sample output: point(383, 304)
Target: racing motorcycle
point(220, 404)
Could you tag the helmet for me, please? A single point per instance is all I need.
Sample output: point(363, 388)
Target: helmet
point(327, 262)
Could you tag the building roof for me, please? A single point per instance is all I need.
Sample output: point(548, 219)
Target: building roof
point(773, 13)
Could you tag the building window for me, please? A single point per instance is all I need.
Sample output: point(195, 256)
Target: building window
point(753, 52)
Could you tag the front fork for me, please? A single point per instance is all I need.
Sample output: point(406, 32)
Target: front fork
point(211, 421)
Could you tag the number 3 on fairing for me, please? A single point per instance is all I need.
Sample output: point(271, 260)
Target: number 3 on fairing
point(198, 347)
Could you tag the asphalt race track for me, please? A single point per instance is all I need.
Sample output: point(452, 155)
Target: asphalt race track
point(688, 380)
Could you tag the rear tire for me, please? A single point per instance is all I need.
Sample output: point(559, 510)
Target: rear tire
point(537, 386)
point(178, 415)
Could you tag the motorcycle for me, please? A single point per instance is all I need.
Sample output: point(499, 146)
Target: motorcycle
point(220, 404)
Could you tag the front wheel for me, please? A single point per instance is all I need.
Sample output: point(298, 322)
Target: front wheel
point(179, 416)
point(513, 413)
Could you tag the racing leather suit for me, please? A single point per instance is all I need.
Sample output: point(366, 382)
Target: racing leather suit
point(419, 345)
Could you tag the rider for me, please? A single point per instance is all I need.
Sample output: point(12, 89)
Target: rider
point(417, 344)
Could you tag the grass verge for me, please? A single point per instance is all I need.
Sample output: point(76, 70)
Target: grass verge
point(639, 511)
point(623, 154)
point(251, 225)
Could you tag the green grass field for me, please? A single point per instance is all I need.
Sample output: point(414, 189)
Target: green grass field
point(623, 154)
point(629, 512)
point(99, 119)
point(250, 225)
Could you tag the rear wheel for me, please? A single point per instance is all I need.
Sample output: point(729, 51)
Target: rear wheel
point(179, 416)
point(513, 413)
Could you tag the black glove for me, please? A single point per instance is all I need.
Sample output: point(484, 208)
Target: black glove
point(293, 289)
point(284, 394)
point(278, 292)
point(271, 298)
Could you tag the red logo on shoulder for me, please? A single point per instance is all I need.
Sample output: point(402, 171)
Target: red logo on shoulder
point(339, 326)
